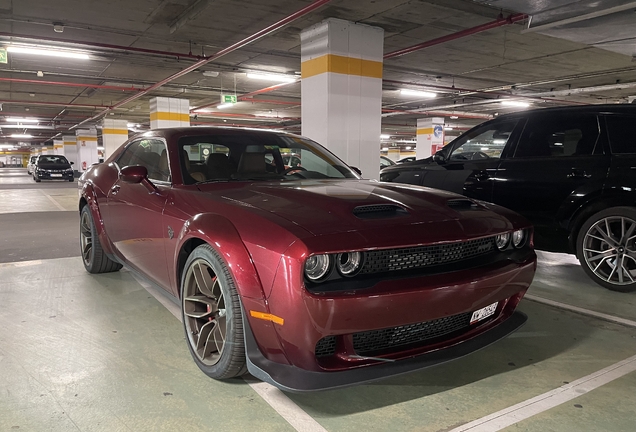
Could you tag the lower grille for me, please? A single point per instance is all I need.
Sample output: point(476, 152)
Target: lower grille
point(423, 256)
point(326, 346)
point(376, 341)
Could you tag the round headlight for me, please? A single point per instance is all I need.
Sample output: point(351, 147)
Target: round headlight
point(317, 266)
point(502, 241)
point(518, 238)
point(348, 263)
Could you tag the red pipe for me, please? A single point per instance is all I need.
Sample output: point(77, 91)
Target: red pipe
point(271, 101)
point(18, 102)
point(460, 34)
point(69, 84)
point(247, 116)
point(240, 44)
point(432, 113)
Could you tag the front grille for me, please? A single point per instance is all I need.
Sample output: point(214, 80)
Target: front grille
point(326, 346)
point(377, 341)
point(423, 256)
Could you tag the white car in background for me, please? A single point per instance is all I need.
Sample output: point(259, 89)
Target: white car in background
point(31, 164)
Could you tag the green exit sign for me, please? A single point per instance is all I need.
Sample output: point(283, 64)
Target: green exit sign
point(3, 55)
point(228, 99)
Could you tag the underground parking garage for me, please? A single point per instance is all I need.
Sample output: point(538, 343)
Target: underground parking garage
point(317, 215)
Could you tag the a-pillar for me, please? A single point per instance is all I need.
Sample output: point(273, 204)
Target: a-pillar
point(70, 149)
point(430, 136)
point(169, 112)
point(114, 134)
point(58, 147)
point(86, 148)
point(341, 90)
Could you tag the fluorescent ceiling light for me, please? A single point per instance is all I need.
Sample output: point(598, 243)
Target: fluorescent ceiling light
point(21, 120)
point(21, 136)
point(225, 105)
point(385, 149)
point(418, 93)
point(454, 117)
point(448, 128)
point(19, 126)
point(272, 77)
point(385, 136)
point(48, 52)
point(408, 147)
point(512, 103)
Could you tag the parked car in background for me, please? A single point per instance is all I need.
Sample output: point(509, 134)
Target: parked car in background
point(52, 167)
point(385, 162)
point(406, 159)
point(31, 164)
point(571, 171)
point(307, 277)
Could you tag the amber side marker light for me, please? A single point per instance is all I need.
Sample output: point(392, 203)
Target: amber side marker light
point(267, 317)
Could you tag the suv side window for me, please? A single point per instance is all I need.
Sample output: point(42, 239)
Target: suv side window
point(622, 133)
point(483, 143)
point(150, 153)
point(559, 136)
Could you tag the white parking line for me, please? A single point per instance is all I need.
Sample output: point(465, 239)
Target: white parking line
point(285, 407)
point(521, 411)
point(576, 309)
point(57, 204)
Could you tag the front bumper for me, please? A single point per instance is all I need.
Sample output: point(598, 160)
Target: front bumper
point(43, 175)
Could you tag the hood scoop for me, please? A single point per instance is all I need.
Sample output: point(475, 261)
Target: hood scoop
point(462, 204)
point(379, 211)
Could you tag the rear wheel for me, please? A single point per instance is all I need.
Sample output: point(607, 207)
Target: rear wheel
point(211, 313)
point(606, 248)
point(93, 256)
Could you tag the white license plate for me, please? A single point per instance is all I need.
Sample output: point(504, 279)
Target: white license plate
point(56, 175)
point(483, 313)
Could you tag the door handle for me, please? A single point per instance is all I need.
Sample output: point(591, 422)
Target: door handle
point(482, 175)
point(115, 189)
point(577, 173)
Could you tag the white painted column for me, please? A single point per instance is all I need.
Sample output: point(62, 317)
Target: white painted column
point(430, 136)
point(47, 150)
point(86, 149)
point(70, 149)
point(114, 134)
point(169, 112)
point(58, 147)
point(341, 90)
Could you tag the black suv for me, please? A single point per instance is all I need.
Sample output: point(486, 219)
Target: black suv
point(570, 170)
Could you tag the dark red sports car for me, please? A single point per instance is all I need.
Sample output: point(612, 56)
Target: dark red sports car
point(307, 277)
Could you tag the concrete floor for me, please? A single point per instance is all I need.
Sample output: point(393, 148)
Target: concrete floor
point(102, 353)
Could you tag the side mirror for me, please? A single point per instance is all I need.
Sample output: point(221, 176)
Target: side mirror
point(439, 158)
point(356, 169)
point(133, 174)
point(72, 163)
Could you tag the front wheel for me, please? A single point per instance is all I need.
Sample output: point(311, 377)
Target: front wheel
point(606, 248)
point(211, 313)
point(36, 178)
point(93, 256)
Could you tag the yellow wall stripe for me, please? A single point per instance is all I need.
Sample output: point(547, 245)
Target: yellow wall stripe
point(267, 317)
point(160, 115)
point(342, 65)
point(115, 131)
point(87, 138)
point(425, 131)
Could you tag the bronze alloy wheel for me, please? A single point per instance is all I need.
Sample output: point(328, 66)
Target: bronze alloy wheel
point(607, 249)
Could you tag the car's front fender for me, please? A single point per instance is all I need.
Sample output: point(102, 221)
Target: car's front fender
point(89, 194)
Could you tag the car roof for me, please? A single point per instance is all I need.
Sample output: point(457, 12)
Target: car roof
point(602, 108)
point(177, 132)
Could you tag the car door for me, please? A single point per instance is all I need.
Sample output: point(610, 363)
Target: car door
point(135, 211)
point(469, 165)
point(558, 164)
point(621, 180)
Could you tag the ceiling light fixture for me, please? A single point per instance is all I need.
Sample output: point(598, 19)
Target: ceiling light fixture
point(418, 93)
point(21, 136)
point(272, 77)
point(385, 136)
point(454, 117)
point(407, 148)
point(385, 149)
point(47, 52)
point(21, 120)
point(513, 103)
point(225, 105)
point(448, 128)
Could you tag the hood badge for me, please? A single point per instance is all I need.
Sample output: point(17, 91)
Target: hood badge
point(170, 232)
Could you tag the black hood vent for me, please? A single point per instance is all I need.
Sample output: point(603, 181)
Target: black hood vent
point(462, 204)
point(379, 211)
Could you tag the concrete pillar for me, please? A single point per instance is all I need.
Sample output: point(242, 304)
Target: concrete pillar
point(114, 134)
point(393, 154)
point(341, 90)
point(58, 147)
point(86, 149)
point(169, 112)
point(47, 150)
point(430, 136)
point(70, 149)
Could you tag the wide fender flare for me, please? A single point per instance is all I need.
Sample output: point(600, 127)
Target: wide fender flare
point(222, 235)
point(90, 195)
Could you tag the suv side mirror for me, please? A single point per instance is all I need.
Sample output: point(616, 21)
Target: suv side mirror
point(356, 169)
point(439, 158)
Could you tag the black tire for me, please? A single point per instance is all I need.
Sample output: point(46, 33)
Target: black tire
point(204, 312)
point(606, 248)
point(36, 178)
point(93, 256)
point(71, 179)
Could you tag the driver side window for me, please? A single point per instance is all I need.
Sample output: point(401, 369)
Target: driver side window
point(484, 143)
point(150, 153)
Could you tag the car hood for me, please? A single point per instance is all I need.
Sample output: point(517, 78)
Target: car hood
point(332, 206)
point(54, 166)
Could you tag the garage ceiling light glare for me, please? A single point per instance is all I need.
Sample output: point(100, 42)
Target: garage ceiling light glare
point(272, 77)
point(418, 93)
point(348, 263)
point(517, 104)
point(518, 238)
point(225, 105)
point(385, 136)
point(317, 266)
point(21, 136)
point(21, 120)
point(502, 241)
point(48, 52)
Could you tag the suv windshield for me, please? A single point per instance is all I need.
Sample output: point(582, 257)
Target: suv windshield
point(256, 156)
point(58, 160)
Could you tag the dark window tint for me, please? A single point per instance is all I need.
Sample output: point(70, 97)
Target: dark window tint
point(150, 153)
point(559, 136)
point(485, 142)
point(622, 133)
point(52, 160)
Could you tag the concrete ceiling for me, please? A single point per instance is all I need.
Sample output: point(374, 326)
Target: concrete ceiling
point(570, 52)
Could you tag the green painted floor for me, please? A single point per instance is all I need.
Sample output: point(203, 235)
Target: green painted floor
point(82, 352)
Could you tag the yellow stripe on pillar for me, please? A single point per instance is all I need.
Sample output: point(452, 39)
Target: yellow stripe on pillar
point(341, 65)
point(115, 131)
point(169, 116)
point(87, 138)
point(425, 131)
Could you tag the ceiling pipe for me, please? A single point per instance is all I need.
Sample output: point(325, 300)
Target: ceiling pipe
point(69, 84)
point(73, 105)
point(247, 95)
point(218, 114)
point(271, 101)
point(501, 21)
point(246, 41)
point(437, 112)
point(575, 91)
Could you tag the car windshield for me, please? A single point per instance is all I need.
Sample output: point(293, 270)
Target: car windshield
point(58, 160)
point(257, 157)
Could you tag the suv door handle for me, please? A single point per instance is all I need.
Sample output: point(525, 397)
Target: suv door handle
point(577, 173)
point(115, 189)
point(482, 175)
